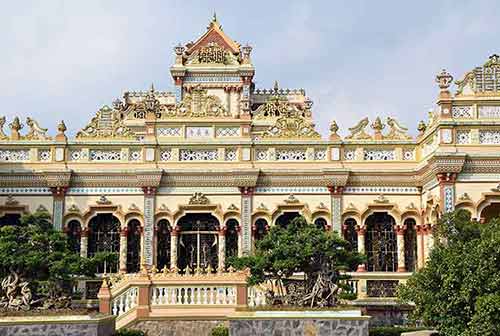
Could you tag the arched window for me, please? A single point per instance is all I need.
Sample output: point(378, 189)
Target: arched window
point(74, 232)
point(104, 237)
point(198, 241)
point(10, 219)
point(410, 244)
point(490, 212)
point(163, 244)
point(284, 219)
point(232, 238)
point(260, 229)
point(133, 246)
point(381, 247)
point(350, 234)
point(321, 223)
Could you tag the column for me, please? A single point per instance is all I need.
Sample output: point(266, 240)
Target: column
point(361, 246)
point(222, 250)
point(240, 241)
point(149, 230)
point(173, 248)
point(84, 242)
point(447, 191)
point(123, 250)
point(246, 219)
point(426, 241)
point(336, 207)
point(420, 246)
point(400, 241)
point(58, 195)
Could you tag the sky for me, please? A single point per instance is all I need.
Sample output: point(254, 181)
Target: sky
point(355, 59)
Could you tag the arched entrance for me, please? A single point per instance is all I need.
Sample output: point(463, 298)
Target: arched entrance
point(284, 219)
point(133, 246)
point(410, 237)
point(74, 232)
point(104, 237)
point(321, 223)
point(260, 229)
point(232, 227)
point(198, 240)
point(381, 246)
point(163, 244)
point(10, 219)
point(490, 212)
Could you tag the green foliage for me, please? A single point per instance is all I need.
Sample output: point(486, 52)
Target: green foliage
point(41, 255)
point(389, 331)
point(457, 290)
point(220, 330)
point(300, 247)
point(130, 332)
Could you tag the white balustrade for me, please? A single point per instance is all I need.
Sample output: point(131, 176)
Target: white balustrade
point(256, 297)
point(124, 302)
point(193, 295)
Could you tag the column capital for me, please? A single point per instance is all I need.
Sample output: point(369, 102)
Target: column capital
point(124, 232)
point(446, 177)
point(400, 229)
point(361, 230)
point(336, 190)
point(58, 191)
point(222, 231)
point(85, 232)
point(247, 191)
point(149, 191)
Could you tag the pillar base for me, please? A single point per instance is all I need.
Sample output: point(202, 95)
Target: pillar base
point(401, 269)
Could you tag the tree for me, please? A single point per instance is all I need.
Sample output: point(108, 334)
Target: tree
point(300, 247)
point(36, 253)
point(458, 289)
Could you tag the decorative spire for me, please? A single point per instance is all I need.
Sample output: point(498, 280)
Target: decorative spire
point(444, 80)
point(276, 86)
point(377, 126)
point(61, 128)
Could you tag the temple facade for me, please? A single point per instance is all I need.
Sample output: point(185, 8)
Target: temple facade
point(185, 179)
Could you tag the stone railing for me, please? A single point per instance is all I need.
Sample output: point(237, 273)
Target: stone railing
point(376, 285)
point(169, 294)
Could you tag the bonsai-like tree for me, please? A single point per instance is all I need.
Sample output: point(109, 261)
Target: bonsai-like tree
point(458, 291)
point(36, 258)
point(320, 256)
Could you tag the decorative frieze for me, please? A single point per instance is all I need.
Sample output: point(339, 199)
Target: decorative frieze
point(102, 191)
point(291, 190)
point(379, 155)
point(261, 154)
point(463, 137)
point(166, 155)
point(199, 154)
point(135, 155)
point(105, 155)
point(199, 132)
point(14, 155)
point(230, 154)
point(27, 190)
point(44, 155)
point(349, 154)
point(223, 132)
point(169, 132)
point(320, 154)
point(489, 112)
point(408, 154)
point(461, 112)
point(489, 137)
point(381, 190)
point(291, 155)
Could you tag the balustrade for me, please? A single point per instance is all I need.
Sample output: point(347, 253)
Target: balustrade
point(124, 302)
point(193, 295)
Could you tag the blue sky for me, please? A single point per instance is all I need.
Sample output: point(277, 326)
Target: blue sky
point(64, 59)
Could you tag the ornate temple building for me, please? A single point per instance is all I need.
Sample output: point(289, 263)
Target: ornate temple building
point(188, 178)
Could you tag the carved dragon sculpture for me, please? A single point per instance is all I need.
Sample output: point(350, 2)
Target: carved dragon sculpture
point(358, 131)
point(397, 131)
point(35, 132)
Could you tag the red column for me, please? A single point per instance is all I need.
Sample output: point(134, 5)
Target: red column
point(361, 246)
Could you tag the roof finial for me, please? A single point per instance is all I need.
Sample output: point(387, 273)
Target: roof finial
point(215, 17)
point(152, 88)
point(276, 86)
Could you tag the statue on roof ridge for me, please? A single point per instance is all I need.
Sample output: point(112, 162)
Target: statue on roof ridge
point(358, 131)
point(35, 132)
point(397, 132)
point(3, 136)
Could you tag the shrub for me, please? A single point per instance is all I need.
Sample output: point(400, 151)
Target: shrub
point(130, 332)
point(390, 331)
point(220, 330)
